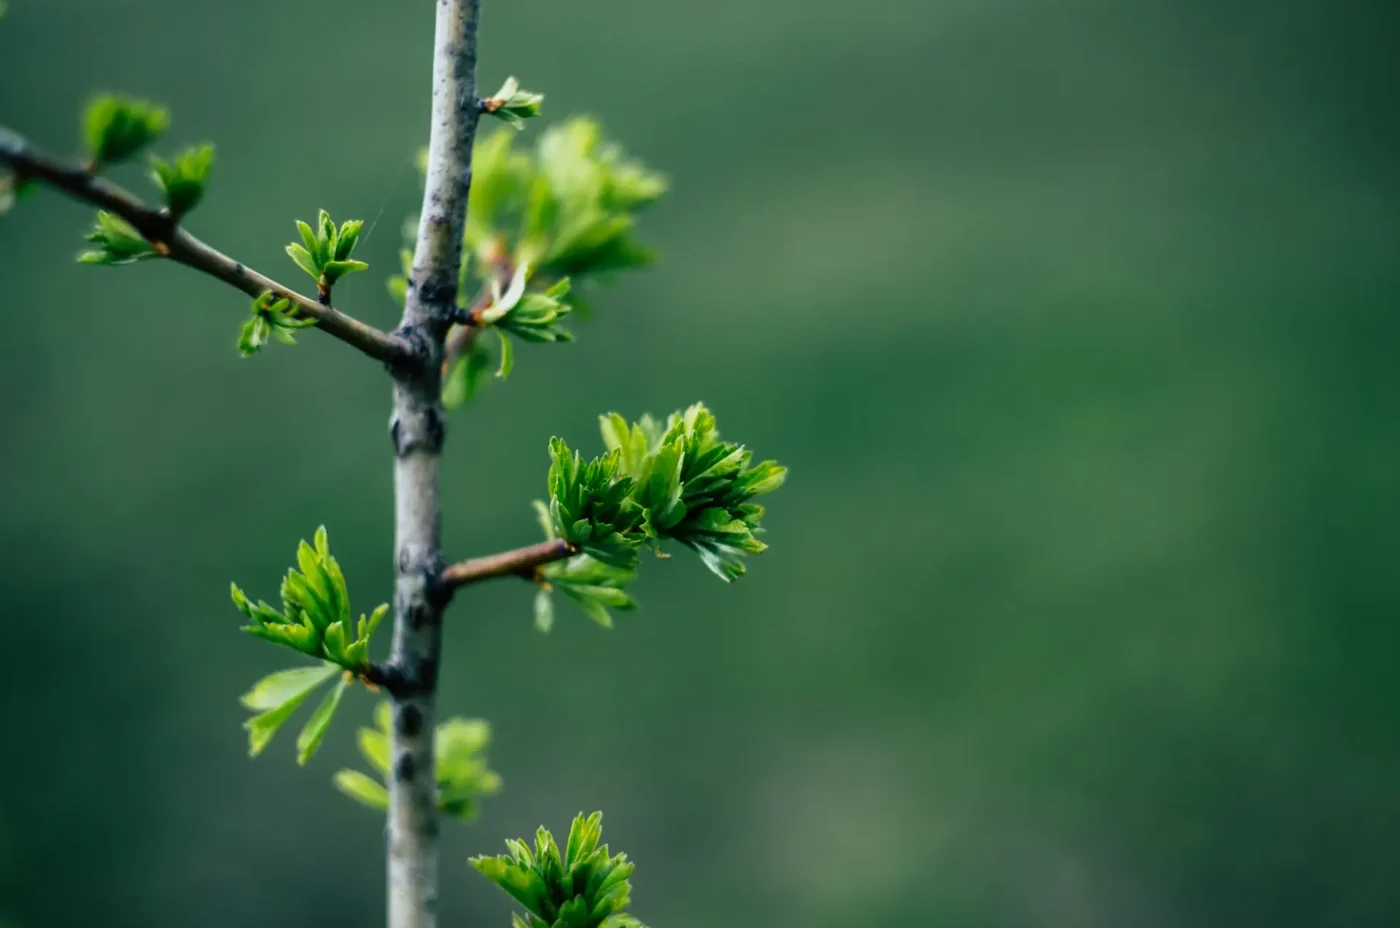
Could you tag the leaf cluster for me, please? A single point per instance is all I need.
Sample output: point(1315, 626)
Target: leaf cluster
point(117, 243)
point(584, 887)
point(530, 315)
point(324, 252)
point(115, 127)
point(315, 618)
point(679, 482)
point(463, 776)
point(540, 222)
point(183, 178)
point(273, 317)
point(276, 696)
point(513, 105)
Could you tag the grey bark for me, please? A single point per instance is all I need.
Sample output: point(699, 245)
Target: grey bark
point(417, 428)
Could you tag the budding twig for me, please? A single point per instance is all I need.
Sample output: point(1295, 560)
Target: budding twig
point(172, 241)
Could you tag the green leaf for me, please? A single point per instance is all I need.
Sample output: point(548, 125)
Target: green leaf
point(346, 239)
point(374, 745)
point(303, 259)
point(542, 515)
point(544, 610)
point(315, 731)
point(316, 616)
point(585, 888)
point(183, 179)
point(325, 238)
point(334, 270)
point(308, 239)
point(503, 303)
point(507, 356)
point(115, 128)
point(253, 336)
point(275, 689)
point(118, 242)
point(513, 105)
point(362, 789)
point(681, 482)
point(262, 727)
point(465, 378)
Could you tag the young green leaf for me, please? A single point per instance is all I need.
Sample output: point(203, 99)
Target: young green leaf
point(275, 689)
point(544, 610)
point(466, 376)
point(682, 483)
point(513, 105)
point(362, 789)
point(585, 887)
point(262, 727)
point(302, 259)
point(116, 128)
point(117, 243)
point(274, 317)
point(184, 178)
point(507, 356)
point(334, 270)
point(315, 617)
point(324, 251)
point(320, 722)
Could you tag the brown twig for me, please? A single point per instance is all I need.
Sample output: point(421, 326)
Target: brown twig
point(173, 242)
point(521, 562)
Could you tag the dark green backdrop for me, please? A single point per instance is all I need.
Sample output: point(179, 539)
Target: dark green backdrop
point(1076, 323)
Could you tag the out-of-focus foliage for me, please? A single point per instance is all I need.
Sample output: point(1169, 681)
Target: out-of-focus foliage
point(543, 222)
point(183, 178)
point(115, 128)
point(463, 777)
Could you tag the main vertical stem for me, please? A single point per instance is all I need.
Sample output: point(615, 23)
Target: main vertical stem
point(417, 430)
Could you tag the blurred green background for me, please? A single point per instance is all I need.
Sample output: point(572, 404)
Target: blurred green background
point(1076, 323)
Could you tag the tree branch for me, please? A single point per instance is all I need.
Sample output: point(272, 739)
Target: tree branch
point(417, 428)
point(521, 562)
point(182, 247)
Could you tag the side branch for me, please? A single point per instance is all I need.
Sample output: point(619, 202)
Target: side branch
point(182, 247)
point(521, 562)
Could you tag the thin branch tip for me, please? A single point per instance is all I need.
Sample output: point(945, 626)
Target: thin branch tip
point(171, 240)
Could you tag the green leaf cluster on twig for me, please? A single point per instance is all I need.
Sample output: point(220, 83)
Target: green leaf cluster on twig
point(117, 243)
point(116, 127)
point(315, 618)
point(183, 178)
point(680, 481)
point(583, 887)
point(513, 105)
point(540, 223)
point(324, 252)
point(274, 317)
point(463, 776)
point(676, 481)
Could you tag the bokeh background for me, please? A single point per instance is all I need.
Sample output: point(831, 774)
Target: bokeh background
point(1076, 322)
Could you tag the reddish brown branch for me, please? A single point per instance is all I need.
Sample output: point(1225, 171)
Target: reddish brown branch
point(521, 562)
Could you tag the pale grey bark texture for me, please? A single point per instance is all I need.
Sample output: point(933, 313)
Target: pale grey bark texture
point(417, 428)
